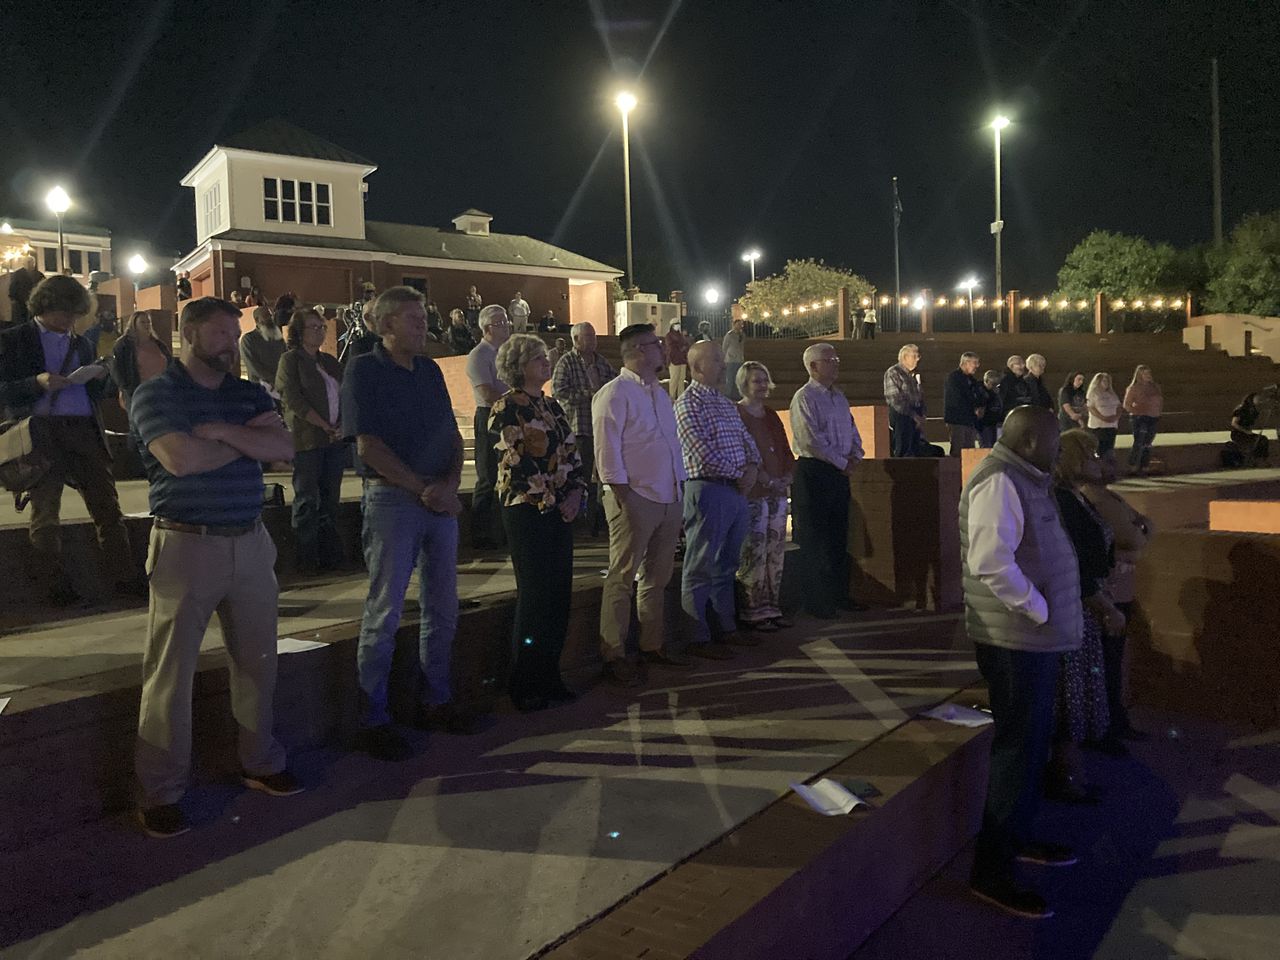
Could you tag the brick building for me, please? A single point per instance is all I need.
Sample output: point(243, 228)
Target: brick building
point(283, 210)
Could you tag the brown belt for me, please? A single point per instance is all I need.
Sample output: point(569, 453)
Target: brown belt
point(203, 530)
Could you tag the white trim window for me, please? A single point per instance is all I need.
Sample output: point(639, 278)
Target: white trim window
point(212, 209)
point(297, 201)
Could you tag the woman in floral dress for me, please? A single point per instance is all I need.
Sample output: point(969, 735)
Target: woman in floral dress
point(541, 488)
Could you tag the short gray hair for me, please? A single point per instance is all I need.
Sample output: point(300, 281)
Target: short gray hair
point(815, 352)
point(1037, 359)
point(908, 348)
point(388, 303)
point(514, 354)
point(577, 330)
point(1009, 362)
point(744, 374)
point(969, 355)
point(490, 315)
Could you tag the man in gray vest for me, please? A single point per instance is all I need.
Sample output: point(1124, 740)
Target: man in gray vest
point(1022, 611)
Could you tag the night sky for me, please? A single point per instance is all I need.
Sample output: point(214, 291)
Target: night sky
point(777, 124)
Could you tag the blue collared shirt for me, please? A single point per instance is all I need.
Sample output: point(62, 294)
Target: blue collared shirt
point(72, 401)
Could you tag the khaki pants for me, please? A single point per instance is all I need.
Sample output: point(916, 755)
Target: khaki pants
point(643, 536)
point(193, 577)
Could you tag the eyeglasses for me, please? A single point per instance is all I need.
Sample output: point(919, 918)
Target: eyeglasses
point(831, 359)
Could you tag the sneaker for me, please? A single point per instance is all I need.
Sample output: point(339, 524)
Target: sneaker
point(664, 657)
point(783, 623)
point(166, 820)
point(1013, 899)
point(622, 672)
point(1047, 855)
point(736, 639)
point(447, 718)
point(712, 651)
point(282, 784)
point(383, 743)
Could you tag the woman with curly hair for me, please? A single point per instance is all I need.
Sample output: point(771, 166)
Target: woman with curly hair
point(541, 487)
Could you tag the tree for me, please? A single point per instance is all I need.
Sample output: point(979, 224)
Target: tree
point(1246, 274)
point(801, 282)
point(1118, 265)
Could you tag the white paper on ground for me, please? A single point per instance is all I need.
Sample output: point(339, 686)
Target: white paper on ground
point(827, 797)
point(82, 375)
point(294, 645)
point(4, 702)
point(960, 716)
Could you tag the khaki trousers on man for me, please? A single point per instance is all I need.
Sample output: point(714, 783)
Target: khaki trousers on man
point(642, 535)
point(192, 577)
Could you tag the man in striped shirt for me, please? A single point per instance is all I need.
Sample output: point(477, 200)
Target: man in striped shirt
point(721, 460)
point(204, 434)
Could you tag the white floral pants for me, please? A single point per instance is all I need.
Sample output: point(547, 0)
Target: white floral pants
point(760, 570)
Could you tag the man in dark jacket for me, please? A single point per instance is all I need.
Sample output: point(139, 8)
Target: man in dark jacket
point(964, 402)
point(39, 364)
point(21, 284)
point(1040, 396)
point(1014, 391)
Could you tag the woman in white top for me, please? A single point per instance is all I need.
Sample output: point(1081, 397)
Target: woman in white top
point(1104, 412)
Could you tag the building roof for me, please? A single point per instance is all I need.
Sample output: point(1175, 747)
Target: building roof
point(409, 240)
point(19, 224)
point(281, 137)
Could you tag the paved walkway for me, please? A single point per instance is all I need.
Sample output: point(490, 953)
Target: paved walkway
point(490, 846)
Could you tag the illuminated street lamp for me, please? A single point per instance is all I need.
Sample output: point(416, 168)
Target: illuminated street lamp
point(137, 266)
point(751, 256)
point(711, 295)
point(967, 284)
point(58, 202)
point(626, 102)
point(997, 225)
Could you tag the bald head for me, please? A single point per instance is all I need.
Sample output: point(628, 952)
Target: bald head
point(706, 363)
point(1032, 433)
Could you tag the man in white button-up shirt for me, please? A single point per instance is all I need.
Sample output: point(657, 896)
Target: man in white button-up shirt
point(827, 448)
point(638, 456)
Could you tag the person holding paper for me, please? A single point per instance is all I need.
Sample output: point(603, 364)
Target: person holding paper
point(204, 434)
point(1022, 612)
point(47, 372)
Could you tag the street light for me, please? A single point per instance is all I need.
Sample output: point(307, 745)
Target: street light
point(626, 102)
point(58, 201)
point(137, 266)
point(968, 283)
point(711, 295)
point(997, 225)
point(751, 256)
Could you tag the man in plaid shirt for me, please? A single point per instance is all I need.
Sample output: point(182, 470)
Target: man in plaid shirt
point(578, 376)
point(906, 403)
point(721, 460)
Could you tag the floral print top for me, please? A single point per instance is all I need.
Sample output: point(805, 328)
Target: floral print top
point(538, 460)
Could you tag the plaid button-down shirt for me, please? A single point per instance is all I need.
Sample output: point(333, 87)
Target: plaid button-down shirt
point(713, 440)
point(902, 390)
point(571, 385)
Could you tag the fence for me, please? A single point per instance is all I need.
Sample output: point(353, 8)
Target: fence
point(818, 318)
point(1152, 314)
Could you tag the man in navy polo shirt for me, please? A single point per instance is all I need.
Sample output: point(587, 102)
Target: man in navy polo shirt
point(396, 406)
point(203, 434)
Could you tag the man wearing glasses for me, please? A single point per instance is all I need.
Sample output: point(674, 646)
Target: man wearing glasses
point(827, 448)
point(638, 456)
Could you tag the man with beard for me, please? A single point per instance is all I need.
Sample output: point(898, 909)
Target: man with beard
point(262, 347)
point(203, 433)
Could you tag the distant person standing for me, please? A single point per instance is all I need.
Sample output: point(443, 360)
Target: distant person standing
point(1103, 408)
point(1022, 612)
point(459, 336)
point(482, 371)
point(518, 312)
point(204, 434)
point(578, 377)
point(964, 403)
point(262, 347)
point(549, 322)
point(1144, 402)
point(906, 403)
point(676, 348)
point(137, 356)
point(1040, 396)
point(992, 412)
point(473, 304)
point(869, 324)
point(1014, 390)
point(734, 346)
point(1073, 403)
point(21, 284)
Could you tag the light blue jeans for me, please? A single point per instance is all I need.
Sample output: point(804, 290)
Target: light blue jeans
point(399, 534)
point(715, 524)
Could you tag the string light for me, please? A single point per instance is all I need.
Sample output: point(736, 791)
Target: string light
point(1063, 304)
point(1082, 304)
point(803, 308)
point(942, 301)
point(786, 311)
point(884, 301)
point(1158, 302)
point(765, 314)
point(1026, 302)
point(866, 301)
point(815, 305)
point(1175, 304)
point(959, 301)
point(1138, 304)
point(1117, 305)
point(904, 301)
point(980, 302)
point(825, 303)
point(1044, 302)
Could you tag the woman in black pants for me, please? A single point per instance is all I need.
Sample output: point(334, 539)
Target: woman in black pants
point(541, 487)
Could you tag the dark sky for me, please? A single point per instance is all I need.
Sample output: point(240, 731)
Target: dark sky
point(777, 124)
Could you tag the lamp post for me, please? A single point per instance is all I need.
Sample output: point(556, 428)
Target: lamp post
point(968, 283)
point(997, 226)
point(58, 202)
point(137, 266)
point(711, 295)
point(751, 256)
point(626, 102)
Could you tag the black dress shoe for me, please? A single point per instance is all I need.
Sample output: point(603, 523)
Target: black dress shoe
point(1012, 899)
point(1047, 855)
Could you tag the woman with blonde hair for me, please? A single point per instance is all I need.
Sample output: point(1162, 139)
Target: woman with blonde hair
point(138, 356)
point(1144, 402)
point(1104, 412)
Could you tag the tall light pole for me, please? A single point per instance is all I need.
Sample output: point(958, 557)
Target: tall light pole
point(997, 226)
point(968, 283)
point(751, 256)
point(137, 266)
point(626, 102)
point(58, 202)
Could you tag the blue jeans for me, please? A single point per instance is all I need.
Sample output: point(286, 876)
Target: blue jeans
point(1144, 435)
point(399, 534)
point(317, 488)
point(715, 524)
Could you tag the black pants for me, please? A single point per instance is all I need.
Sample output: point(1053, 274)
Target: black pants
point(820, 527)
point(1113, 664)
point(1106, 437)
point(317, 489)
point(483, 501)
point(542, 556)
point(904, 436)
point(593, 512)
point(1022, 686)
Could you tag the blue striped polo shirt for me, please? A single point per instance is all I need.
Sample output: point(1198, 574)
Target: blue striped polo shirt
point(174, 403)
